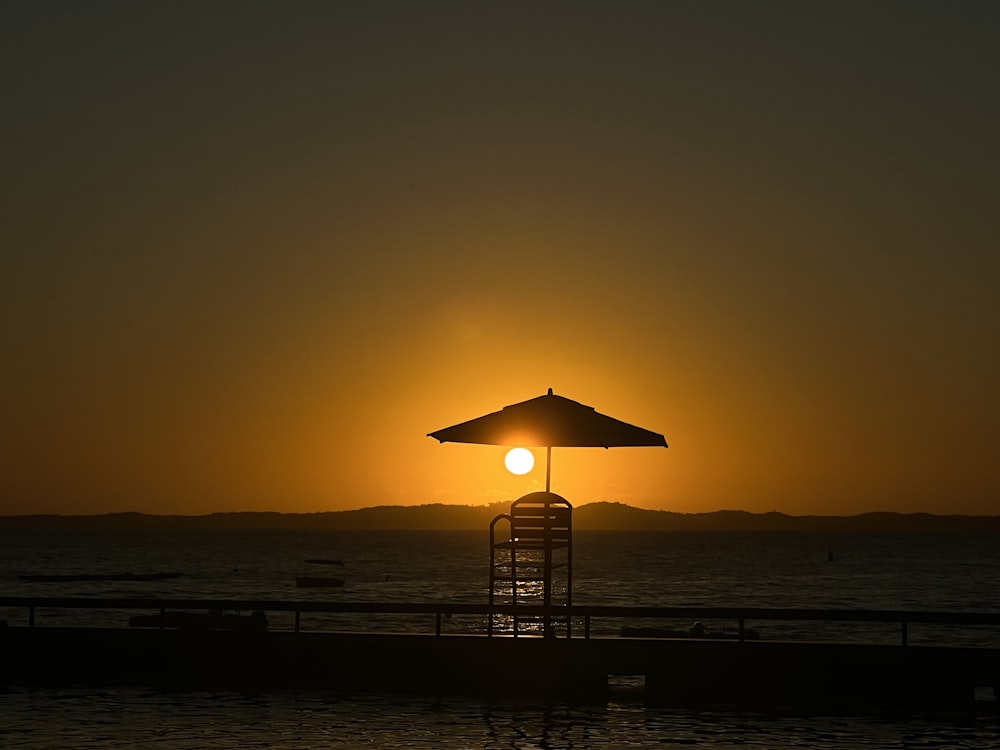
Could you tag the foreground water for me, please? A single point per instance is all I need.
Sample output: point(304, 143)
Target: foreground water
point(43, 720)
point(924, 572)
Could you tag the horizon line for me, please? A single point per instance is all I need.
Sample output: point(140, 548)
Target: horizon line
point(490, 505)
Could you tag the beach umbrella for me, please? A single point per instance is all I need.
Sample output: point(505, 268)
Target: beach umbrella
point(549, 421)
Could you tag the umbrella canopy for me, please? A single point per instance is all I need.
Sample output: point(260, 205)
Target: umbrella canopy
point(549, 421)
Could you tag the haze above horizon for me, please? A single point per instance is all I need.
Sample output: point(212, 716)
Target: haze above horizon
point(255, 252)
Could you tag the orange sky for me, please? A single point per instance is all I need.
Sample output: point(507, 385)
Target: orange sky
point(254, 252)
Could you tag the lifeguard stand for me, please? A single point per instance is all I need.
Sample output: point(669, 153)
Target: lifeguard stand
point(533, 565)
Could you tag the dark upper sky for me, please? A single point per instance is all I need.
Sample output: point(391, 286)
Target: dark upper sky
point(253, 252)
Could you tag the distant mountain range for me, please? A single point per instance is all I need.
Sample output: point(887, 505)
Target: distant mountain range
point(593, 516)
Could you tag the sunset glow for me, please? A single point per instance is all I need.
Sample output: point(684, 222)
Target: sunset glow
point(255, 275)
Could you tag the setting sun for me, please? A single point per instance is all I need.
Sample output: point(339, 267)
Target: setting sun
point(519, 461)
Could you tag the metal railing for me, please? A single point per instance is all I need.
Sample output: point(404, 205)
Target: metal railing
point(586, 614)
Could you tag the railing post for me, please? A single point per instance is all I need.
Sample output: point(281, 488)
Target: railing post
point(298, 614)
point(437, 623)
point(586, 626)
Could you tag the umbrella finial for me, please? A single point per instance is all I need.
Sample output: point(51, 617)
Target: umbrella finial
point(550, 391)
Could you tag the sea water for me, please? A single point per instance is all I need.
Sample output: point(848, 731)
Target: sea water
point(933, 572)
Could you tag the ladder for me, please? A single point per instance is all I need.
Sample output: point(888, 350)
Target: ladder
point(532, 563)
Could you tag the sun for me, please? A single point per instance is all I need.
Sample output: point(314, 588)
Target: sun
point(519, 461)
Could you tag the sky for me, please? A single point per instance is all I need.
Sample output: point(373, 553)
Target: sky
point(253, 252)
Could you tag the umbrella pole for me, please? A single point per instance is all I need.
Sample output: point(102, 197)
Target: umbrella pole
point(548, 466)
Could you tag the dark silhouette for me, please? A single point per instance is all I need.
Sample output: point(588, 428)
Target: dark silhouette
point(538, 546)
point(549, 421)
point(599, 516)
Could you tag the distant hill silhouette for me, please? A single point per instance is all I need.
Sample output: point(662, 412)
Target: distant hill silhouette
point(593, 516)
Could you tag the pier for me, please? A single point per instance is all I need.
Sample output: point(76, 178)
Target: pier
point(445, 649)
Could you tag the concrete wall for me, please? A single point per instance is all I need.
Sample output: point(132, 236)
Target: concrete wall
point(674, 672)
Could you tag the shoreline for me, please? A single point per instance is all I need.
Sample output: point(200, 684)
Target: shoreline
point(600, 516)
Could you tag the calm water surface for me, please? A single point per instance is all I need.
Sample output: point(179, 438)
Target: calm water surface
point(45, 720)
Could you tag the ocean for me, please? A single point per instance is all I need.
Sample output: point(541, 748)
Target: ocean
point(937, 572)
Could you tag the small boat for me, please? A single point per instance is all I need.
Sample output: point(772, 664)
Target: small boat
point(311, 582)
point(324, 561)
point(61, 578)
